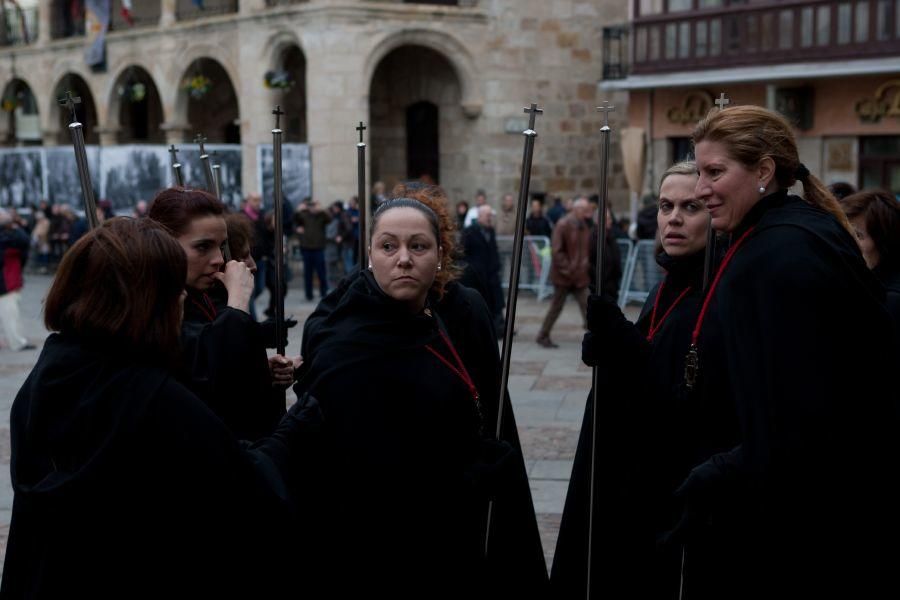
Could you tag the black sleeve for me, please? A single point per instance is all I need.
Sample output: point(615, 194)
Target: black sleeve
point(221, 358)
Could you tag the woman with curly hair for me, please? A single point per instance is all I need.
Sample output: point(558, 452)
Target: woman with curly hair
point(404, 362)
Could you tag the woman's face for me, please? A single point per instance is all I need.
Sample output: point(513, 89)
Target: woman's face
point(682, 219)
point(727, 188)
point(866, 243)
point(202, 243)
point(404, 256)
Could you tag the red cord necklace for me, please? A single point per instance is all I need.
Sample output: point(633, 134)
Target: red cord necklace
point(459, 369)
point(692, 360)
point(654, 326)
point(209, 310)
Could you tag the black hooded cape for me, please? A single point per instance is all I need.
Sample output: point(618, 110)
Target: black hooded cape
point(408, 467)
point(224, 362)
point(127, 486)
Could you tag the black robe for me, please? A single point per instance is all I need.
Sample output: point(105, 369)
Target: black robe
point(482, 267)
point(652, 433)
point(798, 342)
point(406, 473)
point(225, 364)
point(127, 486)
point(890, 278)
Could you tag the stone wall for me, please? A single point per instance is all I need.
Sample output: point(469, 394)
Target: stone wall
point(499, 56)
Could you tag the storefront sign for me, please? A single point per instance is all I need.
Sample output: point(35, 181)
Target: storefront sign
point(884, 103)
point(692, 109)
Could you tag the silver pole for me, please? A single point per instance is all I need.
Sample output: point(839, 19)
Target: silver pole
point(512, 293)
point(362, 198)
point(217, 176)
point(601, 243)
point(177, 177)
point(207, 168)
point(279, 232)
point(87, 188)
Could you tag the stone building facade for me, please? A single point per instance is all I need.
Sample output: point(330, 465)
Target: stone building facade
point(441, 85)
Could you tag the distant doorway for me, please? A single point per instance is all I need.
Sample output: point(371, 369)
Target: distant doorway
point(422, 145)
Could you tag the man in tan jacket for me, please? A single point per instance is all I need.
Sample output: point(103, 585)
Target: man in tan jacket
point(570, 267)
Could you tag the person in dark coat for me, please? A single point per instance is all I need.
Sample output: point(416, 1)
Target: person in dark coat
point(425, 432)
point(482, 259)
point(537, 223)
point(796, 339)
point(126, 484)
point(647, 441)
point(875, 217)
point(224, 357)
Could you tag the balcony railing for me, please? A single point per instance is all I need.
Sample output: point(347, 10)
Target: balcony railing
point(762, 33)
point(143, 14)
point(191, 9)
point(18, 26)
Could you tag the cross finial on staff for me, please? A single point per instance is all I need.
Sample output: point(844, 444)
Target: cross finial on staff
point(606, 109)
point(533, 111)
point(199, 139)
point(278, 112)
point(69, 101)
point(722, 101)
point(360, 129)
point(174, 152)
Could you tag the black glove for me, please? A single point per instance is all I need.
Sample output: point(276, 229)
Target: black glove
point(611, 338)
point(493, 468)
point(708, 485)
point(267, 331)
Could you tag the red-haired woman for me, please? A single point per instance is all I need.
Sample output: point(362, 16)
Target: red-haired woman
point(224, 356)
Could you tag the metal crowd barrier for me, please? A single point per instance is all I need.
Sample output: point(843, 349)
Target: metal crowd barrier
point(641, 273)
point(535, 271)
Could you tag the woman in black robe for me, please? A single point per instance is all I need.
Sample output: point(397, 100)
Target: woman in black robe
point(126, 484)
point(224, 357)
point(795, 338)
point(875, 217)
point(650, 435)
point(409, 467)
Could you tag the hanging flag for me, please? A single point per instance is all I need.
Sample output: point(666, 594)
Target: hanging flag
point(96, 19)
point(126, 12)
point(199, 4)
point(20, 17)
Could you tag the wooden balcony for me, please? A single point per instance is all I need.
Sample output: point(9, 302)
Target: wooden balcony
point(684, 35)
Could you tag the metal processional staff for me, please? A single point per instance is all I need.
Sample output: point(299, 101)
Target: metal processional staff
point(601, 243)
point(512, 293)
point(87, 188)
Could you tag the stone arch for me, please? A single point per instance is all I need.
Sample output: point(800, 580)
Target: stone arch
point(216, 112)
point(175, 101)
point(86, 110)
point(454, 51)
point(417, 127)
point(135, 106)
point(20, 114)
point(67, 67)
point(285, 58)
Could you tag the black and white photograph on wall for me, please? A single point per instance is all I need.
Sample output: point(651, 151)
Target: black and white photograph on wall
point(21, 180)
point(227, 156)
point(63, 184)
point(132, 173)
point(296, 173)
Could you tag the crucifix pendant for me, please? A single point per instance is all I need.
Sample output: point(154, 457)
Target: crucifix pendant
point(691, 367)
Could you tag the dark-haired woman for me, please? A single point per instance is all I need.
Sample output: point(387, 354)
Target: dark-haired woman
point(875, 218)
point(126, 484)
point(224, 355)
point(651, 430)
point(409, 464)
point(793, 334)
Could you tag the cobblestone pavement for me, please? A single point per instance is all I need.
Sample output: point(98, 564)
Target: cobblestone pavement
point(548, 389)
